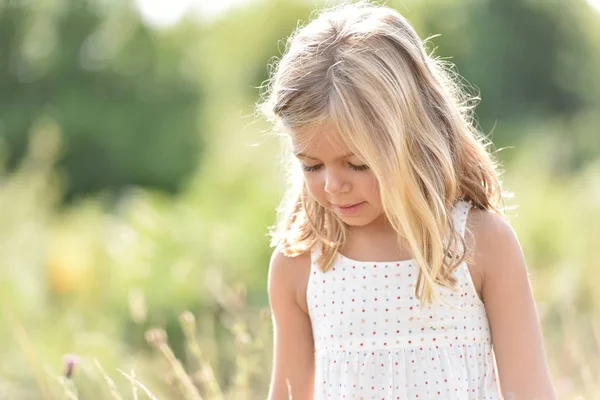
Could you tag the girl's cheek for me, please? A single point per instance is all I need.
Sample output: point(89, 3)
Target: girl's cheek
point(310, 185)
point(373, 187)
point(315, 189)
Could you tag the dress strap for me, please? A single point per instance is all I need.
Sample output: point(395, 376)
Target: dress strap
point(459, 218)
point(315, 252)
point(459, 215)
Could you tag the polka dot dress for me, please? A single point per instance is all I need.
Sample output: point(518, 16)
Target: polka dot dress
point(372, 340)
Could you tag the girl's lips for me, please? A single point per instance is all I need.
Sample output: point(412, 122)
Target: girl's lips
point(349, 209)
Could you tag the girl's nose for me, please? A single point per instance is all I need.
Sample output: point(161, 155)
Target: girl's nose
point(335, 183)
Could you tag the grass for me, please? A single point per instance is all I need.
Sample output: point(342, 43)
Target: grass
point(148, 299)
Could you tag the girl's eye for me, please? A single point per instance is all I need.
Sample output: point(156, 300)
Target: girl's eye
point(359, 167)
point(312, 168)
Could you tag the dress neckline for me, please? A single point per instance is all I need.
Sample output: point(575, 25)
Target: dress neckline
point(397, 262)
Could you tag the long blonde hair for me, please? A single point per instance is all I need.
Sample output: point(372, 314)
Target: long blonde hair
point(363, 68)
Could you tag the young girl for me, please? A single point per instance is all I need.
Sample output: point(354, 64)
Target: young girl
point(395, 274)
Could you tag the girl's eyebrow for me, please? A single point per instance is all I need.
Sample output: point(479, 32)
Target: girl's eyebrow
point(299, 154)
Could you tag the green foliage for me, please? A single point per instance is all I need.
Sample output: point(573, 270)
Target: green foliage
point(115, 87)
point(94, 278)
point(526, 59)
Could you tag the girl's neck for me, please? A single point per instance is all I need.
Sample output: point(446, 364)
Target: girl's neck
point(376, 244)
point(381, 226)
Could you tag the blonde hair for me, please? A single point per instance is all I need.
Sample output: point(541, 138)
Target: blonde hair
point(363, 68)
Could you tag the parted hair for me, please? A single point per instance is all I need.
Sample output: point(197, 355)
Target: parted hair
point(363, 68)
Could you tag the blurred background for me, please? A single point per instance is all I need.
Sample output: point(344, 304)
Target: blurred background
point(137, 184)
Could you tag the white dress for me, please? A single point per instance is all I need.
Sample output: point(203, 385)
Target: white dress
point(372, 341)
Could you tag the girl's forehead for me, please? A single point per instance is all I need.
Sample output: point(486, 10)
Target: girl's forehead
point(317, 140)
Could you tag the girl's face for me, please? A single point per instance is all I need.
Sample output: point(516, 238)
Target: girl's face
point(336, 178)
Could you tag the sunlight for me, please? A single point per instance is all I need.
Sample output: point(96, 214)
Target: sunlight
point(163, 14)
point(595, 4)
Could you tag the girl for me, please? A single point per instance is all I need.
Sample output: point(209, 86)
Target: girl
point(395, 275)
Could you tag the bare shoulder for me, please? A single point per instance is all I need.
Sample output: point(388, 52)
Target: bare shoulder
point(510, 306)
point(286, 270)
point(486, 227)
point(492, 245)
point(288, 277)
point(293, 346)
point(280, 260)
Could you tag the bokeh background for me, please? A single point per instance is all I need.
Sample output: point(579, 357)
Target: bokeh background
point(137, 184)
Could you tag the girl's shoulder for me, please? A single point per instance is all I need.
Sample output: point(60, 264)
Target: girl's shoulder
point(285, 267)
point(491, 242)
point(485, 226)
point(288, 276)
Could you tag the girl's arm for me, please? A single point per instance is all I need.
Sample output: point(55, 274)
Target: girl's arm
point(514, 323)
point(293, 348)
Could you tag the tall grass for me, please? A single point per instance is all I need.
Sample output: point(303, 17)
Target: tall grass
point(163, 297)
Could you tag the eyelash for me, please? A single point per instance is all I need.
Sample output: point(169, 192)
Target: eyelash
point(313, 168)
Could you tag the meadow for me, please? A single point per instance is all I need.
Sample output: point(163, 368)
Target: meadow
point(161, 294)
